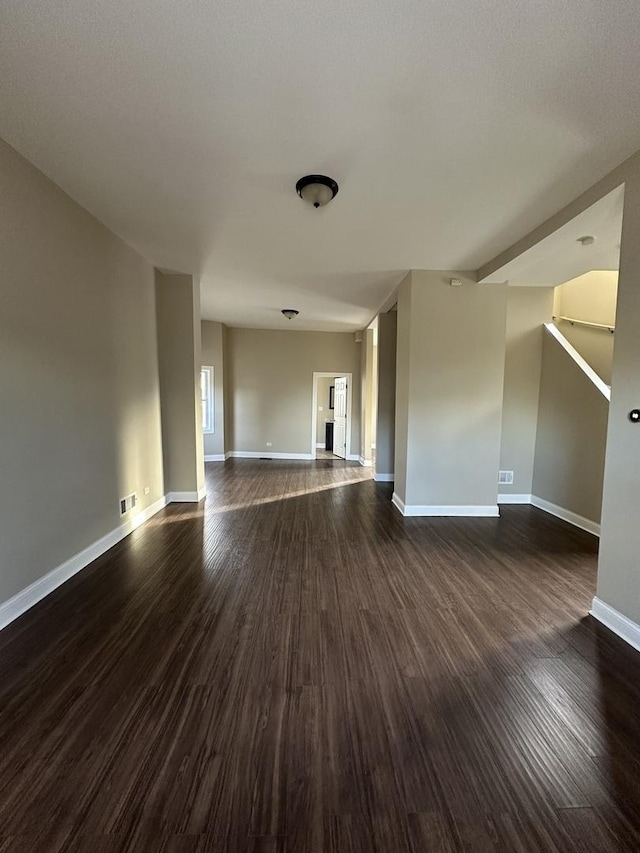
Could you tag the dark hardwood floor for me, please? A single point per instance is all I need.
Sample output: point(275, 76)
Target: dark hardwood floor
point(292, 666)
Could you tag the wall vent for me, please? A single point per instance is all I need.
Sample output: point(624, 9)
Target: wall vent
point(505, 478)
point(128, 503)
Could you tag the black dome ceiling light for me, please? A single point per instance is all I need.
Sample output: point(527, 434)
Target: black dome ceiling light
point(290, 313)
point(318, 190)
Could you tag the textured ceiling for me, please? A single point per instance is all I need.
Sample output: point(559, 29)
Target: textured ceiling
point(452, 127)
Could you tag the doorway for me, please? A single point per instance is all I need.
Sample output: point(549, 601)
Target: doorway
point(331, 415)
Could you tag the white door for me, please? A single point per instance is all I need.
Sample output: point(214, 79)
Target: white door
point(340, 417)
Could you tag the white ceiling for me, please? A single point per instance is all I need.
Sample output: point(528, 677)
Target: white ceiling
point(453, 128)
point(560, 257)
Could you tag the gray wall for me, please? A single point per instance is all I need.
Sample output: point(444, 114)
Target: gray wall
point(527, 309)
point(455, 384)
point(213, 356)
point(571, 437)
point(269, 397)
point(179, 361)
point(80, 417)
point(386, 409)
point(590, 297)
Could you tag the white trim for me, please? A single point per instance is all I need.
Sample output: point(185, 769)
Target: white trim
point(314, 411)
point(39, 589)
point(352, 457)
point(320, 445)
point(514, 499)
point(257, 454)
point(458, 510)
point(398, 503)
point(617, 622)
point(566, 515)
point(366, 463)
point(384, 478)
point(209, 399)
point(186, 497)
point(215, 457)
point(471, 511)
point(589, 372)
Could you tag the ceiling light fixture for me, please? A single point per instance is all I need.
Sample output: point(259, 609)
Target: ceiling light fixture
point(587, 240)
point(290, 313)
point(318, 190)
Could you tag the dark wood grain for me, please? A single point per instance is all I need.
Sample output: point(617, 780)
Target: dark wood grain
point(293, 667)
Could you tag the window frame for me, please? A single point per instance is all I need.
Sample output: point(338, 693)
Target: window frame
point(207, 388)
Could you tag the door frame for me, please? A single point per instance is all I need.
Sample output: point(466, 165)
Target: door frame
point(314, 411)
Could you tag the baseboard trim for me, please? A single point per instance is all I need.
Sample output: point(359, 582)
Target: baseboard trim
point(257, 454)
point(615, 621)
point(352, 457)
point(514, 499)
point(40, 588)
point(366, 463)
point(186, 497)
point(320, 445)
point(461, 511)
point(566, 515)
point(398, 503)
point(215, 457)
point(384, 478)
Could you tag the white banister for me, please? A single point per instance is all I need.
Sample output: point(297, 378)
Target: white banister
point(588, 323)
point(604, 389)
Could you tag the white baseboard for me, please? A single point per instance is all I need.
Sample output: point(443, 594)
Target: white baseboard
point(353, 457)
point(514, 499)
point(615, 621)
point(186, 497)
point(319, 445)
point(215, 457)
point(566, 515)
point(39, 589)
point(258, 454)
point(398, 503)
point(366, 463)
point(384, 478)
point(470, 511)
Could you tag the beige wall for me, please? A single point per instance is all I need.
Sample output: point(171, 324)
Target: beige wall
point(527, 309)
point(403, 375)
point(455, 385)
point(590, 297)
point(324, 383)
point(571, 436)
point(366, 402)
point(179, 361)
point(386, 397)
point(619, 571)
point(270, 386)
point(213, 355)
point(80, 408)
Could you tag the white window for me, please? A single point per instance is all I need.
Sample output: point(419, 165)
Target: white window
point(206, 389)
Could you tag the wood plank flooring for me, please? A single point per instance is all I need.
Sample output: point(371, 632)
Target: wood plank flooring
point(292, 666)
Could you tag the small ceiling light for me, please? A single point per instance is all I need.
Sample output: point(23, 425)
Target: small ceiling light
point(290, 313)
point(318, 190)
point(587, 240)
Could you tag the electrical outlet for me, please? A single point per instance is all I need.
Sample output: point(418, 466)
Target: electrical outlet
point(146, 490)
point(269, 444)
